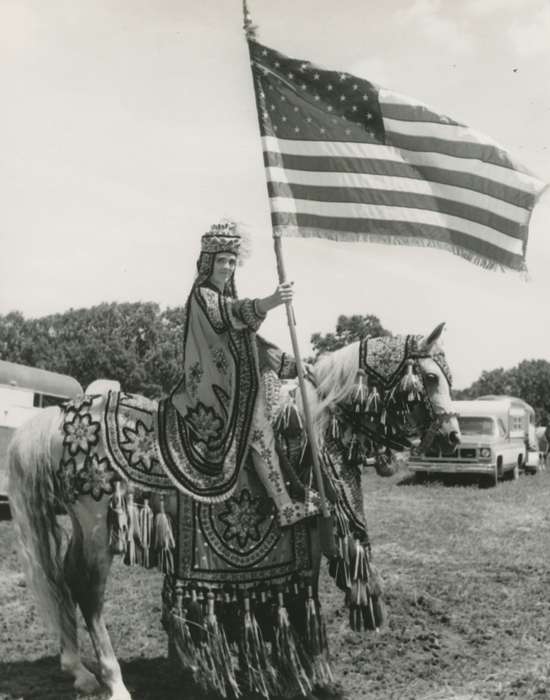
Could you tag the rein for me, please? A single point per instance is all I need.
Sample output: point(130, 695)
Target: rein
point(390, 423)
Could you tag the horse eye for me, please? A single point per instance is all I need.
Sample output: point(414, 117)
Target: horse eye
point(431, 377)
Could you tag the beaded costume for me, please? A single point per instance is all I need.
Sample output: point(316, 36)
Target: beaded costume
point(220, 398)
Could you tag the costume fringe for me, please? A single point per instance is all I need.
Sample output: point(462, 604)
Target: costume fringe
point(141, 537)
point(181, 638)
point(366, 610)
point(118, 521)
point(133, 553)
point(316, 643)
point(146, 520)
point(243, 646)
point(411, 384)
point(216, 650)
point(165, 543)
point(259, 674)
point(289, 422)
point(293, 675)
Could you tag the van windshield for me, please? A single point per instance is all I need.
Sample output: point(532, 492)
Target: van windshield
point(473, 425)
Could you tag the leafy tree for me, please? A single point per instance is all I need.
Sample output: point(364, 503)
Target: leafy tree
point(348, 329)
point(135, 343)
point(530, 381)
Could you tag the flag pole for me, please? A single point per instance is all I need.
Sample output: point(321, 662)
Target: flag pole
point(326, 531)
point(291, 319)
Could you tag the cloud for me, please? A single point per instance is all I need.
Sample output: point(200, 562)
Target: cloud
point(433, 19)
point(532, 36)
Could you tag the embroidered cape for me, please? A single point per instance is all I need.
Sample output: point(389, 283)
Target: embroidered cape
point(216, 395)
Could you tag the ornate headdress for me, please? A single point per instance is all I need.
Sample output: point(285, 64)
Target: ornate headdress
point(222, 238)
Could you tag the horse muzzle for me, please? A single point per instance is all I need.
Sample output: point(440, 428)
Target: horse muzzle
point(454, 438)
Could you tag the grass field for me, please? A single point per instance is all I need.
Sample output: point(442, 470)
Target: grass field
point(467, 578)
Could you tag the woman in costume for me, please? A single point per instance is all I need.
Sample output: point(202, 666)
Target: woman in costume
point(223, 413)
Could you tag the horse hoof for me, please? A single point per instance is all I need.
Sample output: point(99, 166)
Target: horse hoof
point(87, 683)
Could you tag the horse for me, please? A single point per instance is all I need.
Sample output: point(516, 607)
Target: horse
point(389, 389)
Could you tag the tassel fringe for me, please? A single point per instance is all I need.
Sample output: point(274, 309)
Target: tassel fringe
point(259, 675)
point(290, 664)
point(140, 536)
point(293, 675)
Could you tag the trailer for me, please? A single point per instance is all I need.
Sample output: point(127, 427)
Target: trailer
point(24, 391)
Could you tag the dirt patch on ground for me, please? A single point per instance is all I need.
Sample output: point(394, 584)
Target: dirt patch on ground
point(467, 584)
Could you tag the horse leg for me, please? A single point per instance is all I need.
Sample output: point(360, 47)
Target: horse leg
point(88, 566)
point(84, 680)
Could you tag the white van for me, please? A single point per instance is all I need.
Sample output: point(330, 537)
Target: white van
point(494, 441)
point(24, 391)
point(524, 423)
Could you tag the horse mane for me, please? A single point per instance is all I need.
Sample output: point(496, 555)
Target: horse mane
point(335, 374)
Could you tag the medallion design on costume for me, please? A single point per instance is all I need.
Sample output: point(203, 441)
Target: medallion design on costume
point(194, 378)
point(242, 516)
point(81, 433)
point(220, 359)
point(96, 477)
point(140, 445)
point(238, 541)
point(205, 423)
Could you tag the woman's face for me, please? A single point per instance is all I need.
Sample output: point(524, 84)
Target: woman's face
point(224, 267)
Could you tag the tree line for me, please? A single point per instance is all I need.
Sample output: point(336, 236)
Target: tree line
point(140, 345)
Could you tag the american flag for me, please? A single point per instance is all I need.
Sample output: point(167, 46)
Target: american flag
point(348, 160)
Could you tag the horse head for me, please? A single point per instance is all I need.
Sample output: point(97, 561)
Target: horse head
point(434, 415)
point(386, 393)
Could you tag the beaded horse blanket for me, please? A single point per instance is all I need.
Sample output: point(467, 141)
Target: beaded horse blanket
point(112, 437)
point(238, 542)
point(107, 438)
point(126, 436)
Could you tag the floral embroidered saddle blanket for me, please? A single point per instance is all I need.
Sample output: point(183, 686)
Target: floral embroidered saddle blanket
point(238, 541)
point(107, 438)
point(126, 436)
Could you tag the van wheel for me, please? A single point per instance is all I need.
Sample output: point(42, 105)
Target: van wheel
point(497, 473)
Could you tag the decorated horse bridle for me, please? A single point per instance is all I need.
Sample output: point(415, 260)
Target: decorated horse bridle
point(389, 394)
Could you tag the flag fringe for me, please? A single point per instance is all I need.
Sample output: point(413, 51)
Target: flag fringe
point(353, 237)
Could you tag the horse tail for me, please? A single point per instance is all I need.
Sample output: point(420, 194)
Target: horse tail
point(33, 499)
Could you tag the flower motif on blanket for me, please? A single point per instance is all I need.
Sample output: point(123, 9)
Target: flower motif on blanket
point(242, 516)
point(140, 445)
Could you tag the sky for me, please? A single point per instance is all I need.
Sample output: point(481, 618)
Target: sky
point(127, 128)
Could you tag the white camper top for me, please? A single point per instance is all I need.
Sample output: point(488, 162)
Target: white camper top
point(498, 408)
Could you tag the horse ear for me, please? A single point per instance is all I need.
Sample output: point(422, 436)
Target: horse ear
point(434, 336)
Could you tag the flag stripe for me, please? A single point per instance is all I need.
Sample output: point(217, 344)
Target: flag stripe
point(392, 198)
point(418, 185)
point(369, 151)
point(387, 168)
point(349, 210)
point(446, 132)
point(412, 113)
point(391, 231)
point(486, 153)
